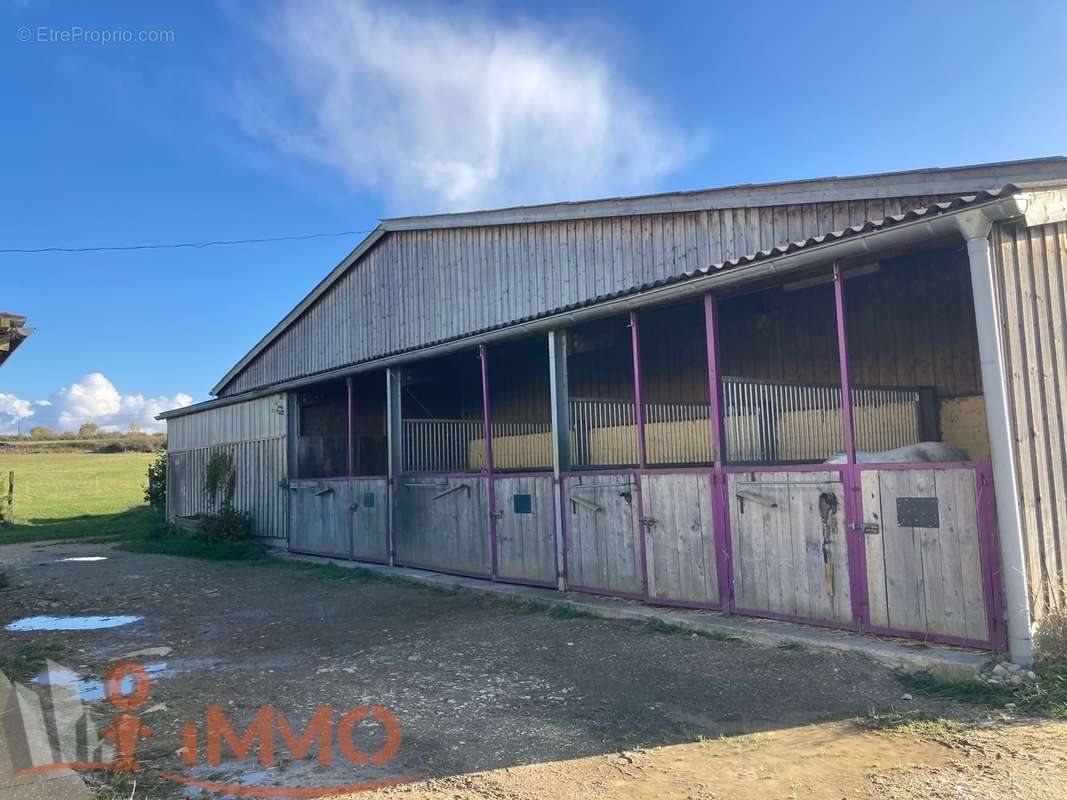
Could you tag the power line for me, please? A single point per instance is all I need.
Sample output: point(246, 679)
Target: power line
point(175, 245)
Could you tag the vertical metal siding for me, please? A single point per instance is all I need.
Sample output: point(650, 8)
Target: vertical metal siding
point(424, 286)
point(253, 433)
point(1031, 287)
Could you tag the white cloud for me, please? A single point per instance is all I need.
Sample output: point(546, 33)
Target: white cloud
point(13, 409)
point(92, 399)
point(444, 110)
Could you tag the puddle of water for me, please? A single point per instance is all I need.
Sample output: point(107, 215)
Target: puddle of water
point(81, 558)
point(91, 690)
point(68, 623)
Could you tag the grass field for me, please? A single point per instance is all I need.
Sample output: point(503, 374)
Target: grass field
point(77, 495)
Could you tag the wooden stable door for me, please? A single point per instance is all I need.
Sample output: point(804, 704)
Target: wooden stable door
point(680, 538)
point(443, 523)
point(370, 519)
point(790, 555)
point(525, 529)
point(925, 570)
point(603, 538)
point(318, 517)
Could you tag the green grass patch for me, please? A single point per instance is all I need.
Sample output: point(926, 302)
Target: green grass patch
point(570, 612)
point(77, 495)
point(1047, 696)
point(670, 629)
point(28, 660)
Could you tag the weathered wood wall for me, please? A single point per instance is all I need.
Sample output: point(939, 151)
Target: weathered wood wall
point(1032, 283)
point(253, 433)
point(414, 288)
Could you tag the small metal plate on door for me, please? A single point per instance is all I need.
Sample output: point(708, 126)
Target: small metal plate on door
point(368, 499)
point(523, 503)
point(917, 512)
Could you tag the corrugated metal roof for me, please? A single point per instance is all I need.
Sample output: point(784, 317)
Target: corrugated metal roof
point(871, 226)
point(927, 181)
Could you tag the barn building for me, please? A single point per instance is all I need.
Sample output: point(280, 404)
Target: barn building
point(840, 401)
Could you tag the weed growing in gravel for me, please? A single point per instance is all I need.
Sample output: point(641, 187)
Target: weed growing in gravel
point(658, 626)
point(1047, 696)
point(554, 610)
point(919, 724)
point(5, 582)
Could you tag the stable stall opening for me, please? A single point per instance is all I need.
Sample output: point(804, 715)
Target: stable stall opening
point(322, 431)
point(911, 330)
point(674, 373)
point(781, 384)
point(442, 415)
point(519, 407)
point(602, 410)
point(370, 443)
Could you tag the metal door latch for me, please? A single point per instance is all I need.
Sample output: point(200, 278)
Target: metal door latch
point(459, 487)
point(648, 522)
point(867, 528)
point(496, 514)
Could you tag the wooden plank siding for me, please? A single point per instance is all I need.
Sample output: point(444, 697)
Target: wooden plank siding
point(418, 287)
point(253, 433)
point(1030, 282)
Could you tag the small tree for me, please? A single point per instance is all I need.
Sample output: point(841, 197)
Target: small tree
point(219, 480)
point(42, 432)
point(88, 430)
point(155, 493)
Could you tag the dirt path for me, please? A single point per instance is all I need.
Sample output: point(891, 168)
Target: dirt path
point(494, 702)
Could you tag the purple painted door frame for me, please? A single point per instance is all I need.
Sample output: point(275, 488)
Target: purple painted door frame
point(853, 499)
point(719, 500)
point(487, 433)
point(642, 455)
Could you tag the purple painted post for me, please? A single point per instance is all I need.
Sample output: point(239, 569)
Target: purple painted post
point(720, 506)
point(351, 468)
point(854, 536)
point(487, 424)
point(642, 462)
point(639, 400)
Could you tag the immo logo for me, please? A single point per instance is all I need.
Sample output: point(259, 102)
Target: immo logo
point(65, 738)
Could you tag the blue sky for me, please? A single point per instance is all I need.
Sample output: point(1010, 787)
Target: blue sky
point(258, 120)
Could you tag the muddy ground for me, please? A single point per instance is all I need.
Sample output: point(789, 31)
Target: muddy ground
point(497, 701)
